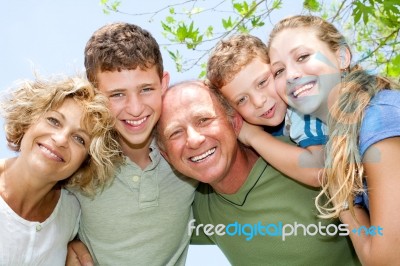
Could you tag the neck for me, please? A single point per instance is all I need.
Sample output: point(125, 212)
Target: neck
point(25, 192)
point(240, 169)
point(138, 153)
point(323, 113)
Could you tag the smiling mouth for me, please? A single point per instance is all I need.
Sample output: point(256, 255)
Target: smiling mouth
point(266, 114)
point(203, 156)
point(50, 153)
point(136, 123)
point(303, 90)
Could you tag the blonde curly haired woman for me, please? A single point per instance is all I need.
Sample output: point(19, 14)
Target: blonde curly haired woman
point(62, 131)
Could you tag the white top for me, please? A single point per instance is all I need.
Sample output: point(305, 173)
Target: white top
point(24, 242)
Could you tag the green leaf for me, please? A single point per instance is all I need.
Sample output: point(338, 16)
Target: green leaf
point(277, 4)
point(227, 24)
point(243, 29)
point(238, 7)
point(166, 27)
point(394, 67)
point(257, 22)
point(312, 5)
point(209, 32)
point(177, 58)
point(170, 20)
point(115, 5)
point(181, 33)
point(361, 10)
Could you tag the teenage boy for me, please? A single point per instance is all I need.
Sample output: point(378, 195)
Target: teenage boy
point(142, 218)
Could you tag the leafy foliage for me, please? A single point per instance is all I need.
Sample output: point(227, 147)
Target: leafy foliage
point(371, 27)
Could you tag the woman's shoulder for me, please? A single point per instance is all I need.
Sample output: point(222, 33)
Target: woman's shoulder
point(69, 203)
point(391, 97)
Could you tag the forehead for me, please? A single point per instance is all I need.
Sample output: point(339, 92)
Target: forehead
point(297, 36)
point(186, 102)
point(127, 78)
point(75, 113)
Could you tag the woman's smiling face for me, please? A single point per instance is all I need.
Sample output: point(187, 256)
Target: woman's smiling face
point(305, 70)
point(57, 144)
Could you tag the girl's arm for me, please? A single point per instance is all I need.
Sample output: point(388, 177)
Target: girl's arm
point(382, 168)
point(301, 164)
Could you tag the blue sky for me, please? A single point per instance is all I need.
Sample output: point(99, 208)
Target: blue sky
point(49, 36)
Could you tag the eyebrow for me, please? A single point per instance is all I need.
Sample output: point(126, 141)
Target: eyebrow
point(170, 128)
point(290, 52)
point(197, 114)
point(139, 86)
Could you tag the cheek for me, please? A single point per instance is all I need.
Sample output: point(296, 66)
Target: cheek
point(246, 112)
point(80, 156)
point(116, 107)
point(280, 86)
point(157, 105)
point(173, 150)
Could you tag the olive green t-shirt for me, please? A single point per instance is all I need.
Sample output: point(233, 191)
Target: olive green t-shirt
point(259, 217)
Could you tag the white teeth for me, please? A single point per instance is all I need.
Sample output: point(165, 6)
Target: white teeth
point(302, 89)
point(269, 111)
point(202, 156)
point(47, 151)
point(136, 122)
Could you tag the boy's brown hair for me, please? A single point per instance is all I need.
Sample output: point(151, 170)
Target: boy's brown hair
point(231, 55)
point(121, 46)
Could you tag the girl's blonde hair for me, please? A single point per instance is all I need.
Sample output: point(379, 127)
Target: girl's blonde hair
point(31, 99)
point(344, 170)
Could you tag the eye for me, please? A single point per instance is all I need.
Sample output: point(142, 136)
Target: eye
point(53, 121)
point(203, 120)
point(175, 134)
point(147, 90)
point(80, 140)
point(303, 57)
point(241, 100)
point(116, 95)
point(264, 83)
point(278, 72)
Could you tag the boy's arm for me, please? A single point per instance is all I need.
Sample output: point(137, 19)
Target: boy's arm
point(301, 164)
point(78, 254)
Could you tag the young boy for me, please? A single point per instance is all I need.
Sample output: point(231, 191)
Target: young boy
point(239, 68)
point(142, 218)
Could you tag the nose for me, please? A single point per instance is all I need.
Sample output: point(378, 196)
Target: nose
point(293, 73)
point(259, 99)
point(194, 138)
point(60, 138)
point(133, 105)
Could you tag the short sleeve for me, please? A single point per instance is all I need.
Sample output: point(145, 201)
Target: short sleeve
point(305, 130)
point(381, 119)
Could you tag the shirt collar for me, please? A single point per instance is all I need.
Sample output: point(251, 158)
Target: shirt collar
point(239, 198)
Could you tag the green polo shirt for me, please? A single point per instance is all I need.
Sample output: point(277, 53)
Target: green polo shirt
point(268, 204)
point(142, 218)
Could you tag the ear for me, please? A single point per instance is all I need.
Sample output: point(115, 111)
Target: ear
point(344, 57)
point(237, 122)
point(165, 82)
